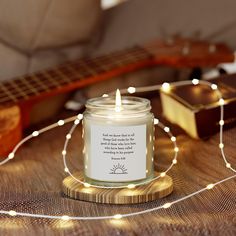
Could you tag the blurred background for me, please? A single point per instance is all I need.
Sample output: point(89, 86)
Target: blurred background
point(37, 35)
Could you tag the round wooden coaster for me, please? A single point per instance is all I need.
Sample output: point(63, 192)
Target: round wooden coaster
point(144, 193)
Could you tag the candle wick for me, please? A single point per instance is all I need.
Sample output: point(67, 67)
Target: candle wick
point(118, 101)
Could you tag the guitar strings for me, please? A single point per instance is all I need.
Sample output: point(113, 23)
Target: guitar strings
point(133, 56)
point(134, 53)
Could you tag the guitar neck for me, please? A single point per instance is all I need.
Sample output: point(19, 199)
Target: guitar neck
point(83, 72)
point(71, 75)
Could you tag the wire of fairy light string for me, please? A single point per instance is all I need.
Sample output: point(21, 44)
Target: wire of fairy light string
point(77, 119)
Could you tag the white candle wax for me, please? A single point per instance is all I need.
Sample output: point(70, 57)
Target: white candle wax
point(118, 141)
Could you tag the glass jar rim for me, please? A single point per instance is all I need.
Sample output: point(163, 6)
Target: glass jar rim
point(130, 104)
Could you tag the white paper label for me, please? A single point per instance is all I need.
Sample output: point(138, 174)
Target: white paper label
point(118, 153)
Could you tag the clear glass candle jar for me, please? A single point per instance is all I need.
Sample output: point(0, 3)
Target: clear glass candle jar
point(118, 145)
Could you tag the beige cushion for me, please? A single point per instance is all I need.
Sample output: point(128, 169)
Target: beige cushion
point(138, 21)
point(37, 34)
point(49, 58)
point(31, 24)
point(12, 63)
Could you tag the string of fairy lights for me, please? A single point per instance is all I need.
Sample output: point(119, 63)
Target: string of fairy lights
point(77, 120)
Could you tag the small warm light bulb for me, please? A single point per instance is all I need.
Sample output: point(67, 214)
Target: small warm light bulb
point(167, 205)
point(87, 185)
point(221, 122)
point(174, 161)
point(117, 216)
point(214, 86)
point(195, 81)
point(221, 101)
point(105, 95)
point(165, 87)
point(228, 165)
point(173, 139)
point(35, 133)
point(80, 116)
point(66, 170)
point(76, 122)
point(163, 174)
point(11, 155)
point(68, 136)
point(210, 186)
point(63, 152)
point(131, 186)
point(156, 121)
point(131, 90)
point(118, 101)
point(221, 145)
point(167, 129)
point(61, 122)
point(12, 213)
point(176, 149)
point(65, 217)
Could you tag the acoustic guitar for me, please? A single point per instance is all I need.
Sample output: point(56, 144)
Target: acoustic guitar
point(18, 96)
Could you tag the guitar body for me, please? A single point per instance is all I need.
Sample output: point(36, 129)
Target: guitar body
point(14, 118)
point(10, 128)
point(31, 98)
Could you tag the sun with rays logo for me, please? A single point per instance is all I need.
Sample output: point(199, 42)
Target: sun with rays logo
point(118, 169)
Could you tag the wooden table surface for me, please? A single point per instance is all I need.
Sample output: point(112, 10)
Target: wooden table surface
point(32, 183)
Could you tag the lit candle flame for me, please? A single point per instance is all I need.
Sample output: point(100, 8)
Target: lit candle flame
point(118, 101)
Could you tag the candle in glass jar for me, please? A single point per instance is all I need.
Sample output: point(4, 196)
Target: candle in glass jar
point(118, 140)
